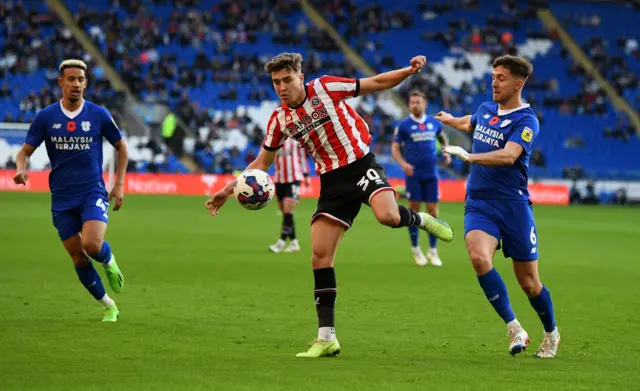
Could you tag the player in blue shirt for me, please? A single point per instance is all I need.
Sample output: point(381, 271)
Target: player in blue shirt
point(497, 202)
point(72, 130)
point(417, 134)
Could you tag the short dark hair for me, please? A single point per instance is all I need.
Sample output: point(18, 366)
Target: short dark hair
point(417, 93)
point(72, 63)
point(518, 65)
point(290, 61)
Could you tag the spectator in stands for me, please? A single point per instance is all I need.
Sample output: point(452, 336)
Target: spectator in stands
point(590, 196)
point(621, 197)
point(574, 141)
point(537, 158)
point(574, 194)
point(573, 172)
point(5, 91)
point(10, 163)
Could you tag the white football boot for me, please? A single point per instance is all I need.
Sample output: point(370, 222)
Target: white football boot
point(433, 257)
point(293, 246)
point(518, 338)
point(549, 346)
point(418, 256)
point(277, 246)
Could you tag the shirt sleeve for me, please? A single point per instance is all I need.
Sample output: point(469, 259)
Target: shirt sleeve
point(36, 132)
point(275, 137)
point(109, 128)
point(525, 133)
point(397, 134)
point(474, 117)
point(340, 88)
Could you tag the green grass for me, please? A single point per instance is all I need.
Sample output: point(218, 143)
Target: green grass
point(206, 306)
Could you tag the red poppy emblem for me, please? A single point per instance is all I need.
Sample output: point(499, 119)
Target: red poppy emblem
point(71, 126)
point(494, 121)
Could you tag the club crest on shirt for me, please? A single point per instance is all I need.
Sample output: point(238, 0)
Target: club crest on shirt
point(505, 123)
point(527, 134)
point(86, 126)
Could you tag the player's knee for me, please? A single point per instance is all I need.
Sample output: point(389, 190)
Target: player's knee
point(321, 259)
point(92, 246)
point(80, 259)
point(389, 218)
point(531, 287)
point(481, 262)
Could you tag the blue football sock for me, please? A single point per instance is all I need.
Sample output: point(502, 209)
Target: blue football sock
point(433, 240)
point(105, 253)
point(496, 293)
point(91, 280)
point(544, 307)
point(414, 233)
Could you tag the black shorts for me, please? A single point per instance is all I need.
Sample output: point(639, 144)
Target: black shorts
point(288, 191)
point(344, 190)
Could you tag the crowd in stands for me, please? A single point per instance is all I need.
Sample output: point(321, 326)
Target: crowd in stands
point(33, 41)
point(146, 48)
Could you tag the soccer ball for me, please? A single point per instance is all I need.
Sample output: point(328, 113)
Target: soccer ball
point(254, 189)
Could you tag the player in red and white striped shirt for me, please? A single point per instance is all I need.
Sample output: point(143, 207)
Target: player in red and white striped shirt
point(317, 116)
point(291, 169)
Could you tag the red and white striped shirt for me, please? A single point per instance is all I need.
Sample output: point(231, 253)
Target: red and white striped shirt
point(291, 163)
point(324, 124)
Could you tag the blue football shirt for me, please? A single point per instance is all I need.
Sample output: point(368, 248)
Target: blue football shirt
point(419, 139)
point(493, 128)
point(74, 146)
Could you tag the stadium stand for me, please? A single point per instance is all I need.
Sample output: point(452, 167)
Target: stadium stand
point(204, 60)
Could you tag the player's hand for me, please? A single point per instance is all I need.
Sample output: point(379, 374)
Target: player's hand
point(444, 117)
point(456, 151)
point(408, 169)
point(21, 178)
point(447, 159)
point(216, 201)
point(118, 193)
point(417, 63)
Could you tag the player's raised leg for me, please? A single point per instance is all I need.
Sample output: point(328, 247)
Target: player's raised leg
point(540, 299)
point(289, 208)
point(481, 246)
point(325, 236)
point(94, 228)
point(89, 277)
point(389, 213)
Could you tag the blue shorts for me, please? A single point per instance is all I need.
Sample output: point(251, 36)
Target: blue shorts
point(93, 206)
point(422, 190)
point(509, 221)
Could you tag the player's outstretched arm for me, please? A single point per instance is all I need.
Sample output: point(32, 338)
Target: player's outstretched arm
point(263, 161)
point(123, 161)
point(460, 123)
point(501, 157)
point(22, 160)
point(384, 81)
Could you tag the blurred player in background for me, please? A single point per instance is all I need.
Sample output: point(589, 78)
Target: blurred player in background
point(291, 170)
point(498, 206)
point(72, 131)
point(318, 118)
point(417, 135)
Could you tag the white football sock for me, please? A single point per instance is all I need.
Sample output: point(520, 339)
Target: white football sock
point(107, 301)
point(327, 334)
